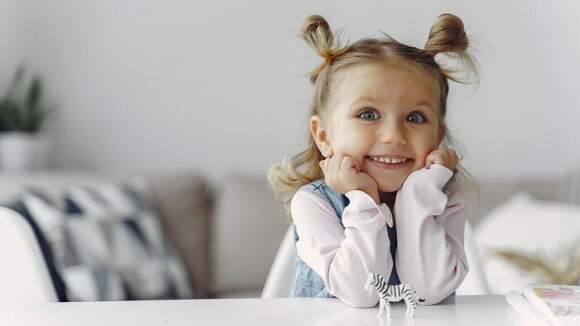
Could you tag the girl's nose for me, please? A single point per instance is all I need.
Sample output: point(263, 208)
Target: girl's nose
point(393, 133)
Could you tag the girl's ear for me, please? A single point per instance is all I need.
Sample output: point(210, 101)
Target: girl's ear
point(320, 136)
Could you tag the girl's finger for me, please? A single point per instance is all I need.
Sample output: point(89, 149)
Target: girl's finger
point(335, 162)
point(430, 160)
point(347, 163)
point(356, 165)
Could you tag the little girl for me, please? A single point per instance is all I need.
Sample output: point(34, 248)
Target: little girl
point(374, 191)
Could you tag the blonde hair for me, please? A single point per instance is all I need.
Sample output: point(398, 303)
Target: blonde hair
point(447, 35)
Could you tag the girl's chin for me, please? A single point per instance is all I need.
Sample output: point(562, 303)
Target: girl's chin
point(391, 185)
point(394, 185)
point(390, 188)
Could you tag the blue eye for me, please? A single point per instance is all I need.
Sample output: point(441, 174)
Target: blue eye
point(416, 117)
point(369, 115)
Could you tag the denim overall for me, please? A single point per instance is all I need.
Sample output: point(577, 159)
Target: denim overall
point(306, 282)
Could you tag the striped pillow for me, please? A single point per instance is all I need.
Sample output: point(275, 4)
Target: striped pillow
point(109, 244)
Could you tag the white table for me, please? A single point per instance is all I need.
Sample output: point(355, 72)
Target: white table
point(461, 310)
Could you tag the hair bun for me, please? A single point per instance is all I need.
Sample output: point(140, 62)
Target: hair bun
point(447, 35)
point(316, 32)
point(313, 23)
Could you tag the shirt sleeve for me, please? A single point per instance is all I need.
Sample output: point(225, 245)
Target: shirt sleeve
point(343, 257)
point(430, 225)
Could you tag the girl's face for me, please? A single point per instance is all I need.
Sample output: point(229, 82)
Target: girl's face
point(384, 118)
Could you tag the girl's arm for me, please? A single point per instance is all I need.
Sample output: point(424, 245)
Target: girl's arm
point(343, 257)
point(430, 225)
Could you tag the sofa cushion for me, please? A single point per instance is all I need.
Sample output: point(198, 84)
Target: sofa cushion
point(109, 245)
point(248, 227)
point(495, 192)
point(184, 204)
point(52, 226)
point(116, 227)
point(570, 186)
point(523, 236)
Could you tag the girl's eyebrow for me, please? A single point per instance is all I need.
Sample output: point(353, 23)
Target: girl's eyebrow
point(425, 104)
point(364, 99)
point(372, 100)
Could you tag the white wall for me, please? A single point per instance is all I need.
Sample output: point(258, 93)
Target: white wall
point(216, 86)
point(9, 36)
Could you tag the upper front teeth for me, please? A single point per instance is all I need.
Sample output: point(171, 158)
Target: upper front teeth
point(388, 160)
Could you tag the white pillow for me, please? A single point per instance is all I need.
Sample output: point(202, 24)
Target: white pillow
point(525, 224)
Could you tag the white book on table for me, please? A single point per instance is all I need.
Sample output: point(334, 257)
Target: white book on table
point(550, 304)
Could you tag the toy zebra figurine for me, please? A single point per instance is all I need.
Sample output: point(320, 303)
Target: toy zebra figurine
point(392, 293)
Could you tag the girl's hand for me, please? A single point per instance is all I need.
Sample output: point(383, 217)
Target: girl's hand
point(343, 174)
point(446, 157)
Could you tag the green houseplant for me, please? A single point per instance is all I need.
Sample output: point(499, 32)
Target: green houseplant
point(23, 146)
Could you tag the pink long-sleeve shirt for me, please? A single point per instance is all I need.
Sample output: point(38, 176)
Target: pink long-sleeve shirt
point(429, 224)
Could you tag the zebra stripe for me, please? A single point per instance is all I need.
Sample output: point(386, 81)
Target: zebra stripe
point(392, 292)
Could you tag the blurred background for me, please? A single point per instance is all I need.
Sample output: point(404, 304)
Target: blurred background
point(202, 97)
point(144, 85)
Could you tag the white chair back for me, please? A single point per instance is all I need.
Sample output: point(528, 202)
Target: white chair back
point(281, 273)
point(24, 277)
point(475, 283)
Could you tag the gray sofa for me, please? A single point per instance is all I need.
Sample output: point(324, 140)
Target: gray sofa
point(228, 231)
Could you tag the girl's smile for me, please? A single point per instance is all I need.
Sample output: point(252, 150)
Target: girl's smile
point(389, 159)
point(389, 162)
point(382, 116)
